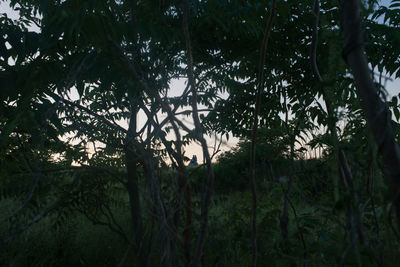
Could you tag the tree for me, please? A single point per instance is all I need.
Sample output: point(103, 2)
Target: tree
point(87, 100)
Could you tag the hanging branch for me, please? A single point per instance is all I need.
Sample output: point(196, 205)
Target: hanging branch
point(376, 110)
point(344, 169)
point(314, 42)
point(315, 70)
point(199, 136)
point(260, 87)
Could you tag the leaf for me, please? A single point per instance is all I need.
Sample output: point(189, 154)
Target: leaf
point(394, 101)
point(80, 86)
point(396, 113)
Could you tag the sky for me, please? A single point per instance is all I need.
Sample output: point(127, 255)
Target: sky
point(177, 87)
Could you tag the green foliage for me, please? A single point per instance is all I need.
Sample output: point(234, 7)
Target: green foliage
point(74, 90)
point(75, 242)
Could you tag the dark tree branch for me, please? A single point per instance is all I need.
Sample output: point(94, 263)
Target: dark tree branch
point(199, 136)
point(166, 258)
point(376, 111)
point(314, 42)
point(344, 168)
point(260, 88)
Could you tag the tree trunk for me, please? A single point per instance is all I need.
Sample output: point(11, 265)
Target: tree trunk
point(133, 192)
point(376, 110)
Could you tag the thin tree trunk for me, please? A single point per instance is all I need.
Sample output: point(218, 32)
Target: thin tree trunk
point(260, 88)
point(205, 207)
point(353, 215)
point(133, 192)
point(165, 237)
point(157, 206)
point(184, 189)
point(284, 219)
point(376, 110)
point(131, 155)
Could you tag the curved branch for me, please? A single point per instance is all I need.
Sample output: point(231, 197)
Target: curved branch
point(376, 111)
point(199, 135)
point(344, 168)
point(314, 42)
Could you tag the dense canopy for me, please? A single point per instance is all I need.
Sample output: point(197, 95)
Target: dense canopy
point(94, 129)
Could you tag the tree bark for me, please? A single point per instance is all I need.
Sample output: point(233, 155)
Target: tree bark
point(376, 110)
point(343, 166)
point(205, 206)
point(133, 192)
point(260, 88)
